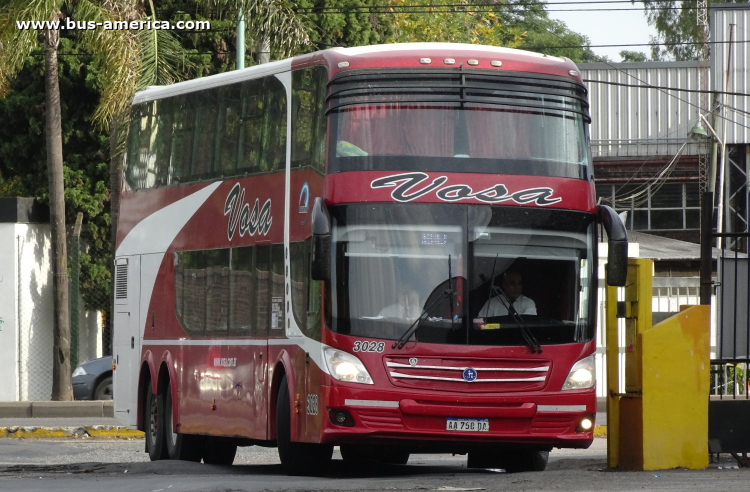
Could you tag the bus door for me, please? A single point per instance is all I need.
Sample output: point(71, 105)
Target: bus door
point(126, 350)
point(254, 405)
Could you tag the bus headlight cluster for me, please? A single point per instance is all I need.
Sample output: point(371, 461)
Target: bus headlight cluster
point(346, 367)
point(582, 375)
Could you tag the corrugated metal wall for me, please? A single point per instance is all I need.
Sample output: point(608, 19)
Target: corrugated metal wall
point(630, 119)
point(737, 109)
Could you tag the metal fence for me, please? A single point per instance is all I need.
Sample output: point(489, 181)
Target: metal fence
point(668, 294)
point(729, 363)
point(89, 267)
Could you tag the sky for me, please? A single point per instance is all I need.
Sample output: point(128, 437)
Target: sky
point(608, 27)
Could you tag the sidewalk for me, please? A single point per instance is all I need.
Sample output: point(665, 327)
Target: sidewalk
point(46, 419)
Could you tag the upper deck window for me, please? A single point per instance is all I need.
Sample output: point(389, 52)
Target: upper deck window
point(459, 122)
point(218, 132)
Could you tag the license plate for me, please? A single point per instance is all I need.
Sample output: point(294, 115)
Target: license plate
point(467, 425)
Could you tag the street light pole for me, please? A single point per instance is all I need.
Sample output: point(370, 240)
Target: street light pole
point(699, 131)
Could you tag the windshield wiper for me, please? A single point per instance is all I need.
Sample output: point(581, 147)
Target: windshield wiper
point(447, 293)
point(418, 322)
point(531, 340)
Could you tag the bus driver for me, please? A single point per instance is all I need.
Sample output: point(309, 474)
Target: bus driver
point(510, 295)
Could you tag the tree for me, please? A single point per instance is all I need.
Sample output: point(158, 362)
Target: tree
point(544, 35)
point(425, 21)
point(677, 26)
point(344, 22)
point(271, 25)
point(514, 23)
point(633, 56)
point(85, 170)
point(117, 60)
point(15, 46)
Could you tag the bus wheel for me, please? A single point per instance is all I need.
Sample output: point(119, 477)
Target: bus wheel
point(530, 460)
point(219, 451)
point(180, 446)
point(155, 436)
point(297, 458)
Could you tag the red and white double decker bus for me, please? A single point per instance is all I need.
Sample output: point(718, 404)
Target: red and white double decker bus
point(329, 251)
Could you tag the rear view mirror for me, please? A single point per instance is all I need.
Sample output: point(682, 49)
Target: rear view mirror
point(320, 267)
point(617, 256)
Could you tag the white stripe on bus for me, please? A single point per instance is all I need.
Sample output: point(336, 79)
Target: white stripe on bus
point(561, 408)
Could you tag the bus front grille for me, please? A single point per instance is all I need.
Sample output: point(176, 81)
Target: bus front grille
point(468, 375)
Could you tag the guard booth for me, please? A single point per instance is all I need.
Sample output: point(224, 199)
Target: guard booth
point(659, 419)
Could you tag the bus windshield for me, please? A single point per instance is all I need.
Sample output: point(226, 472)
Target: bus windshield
point(503, 126)
point(465, 274)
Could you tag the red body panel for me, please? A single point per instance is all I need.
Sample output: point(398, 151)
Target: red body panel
point(570, 194)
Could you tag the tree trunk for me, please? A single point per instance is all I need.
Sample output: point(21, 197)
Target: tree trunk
point(62, 389)
point(264, 50)
point(115, 186)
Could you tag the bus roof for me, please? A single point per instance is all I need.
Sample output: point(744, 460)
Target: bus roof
point(405, 55)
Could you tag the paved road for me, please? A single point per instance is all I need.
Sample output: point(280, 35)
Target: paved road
point(121, 465)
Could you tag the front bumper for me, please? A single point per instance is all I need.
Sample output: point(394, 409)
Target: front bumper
point(83, 387)
point(543, 421)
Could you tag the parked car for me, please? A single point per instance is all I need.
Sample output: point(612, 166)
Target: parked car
point(92, 380)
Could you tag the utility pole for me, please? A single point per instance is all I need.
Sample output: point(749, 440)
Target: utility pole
point(702, 22)
point(240, 40)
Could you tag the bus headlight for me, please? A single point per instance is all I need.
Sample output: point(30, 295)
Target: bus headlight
point(582, 375)
point(346, 367)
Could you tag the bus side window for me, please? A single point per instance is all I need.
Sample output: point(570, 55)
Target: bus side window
point(206, 104)
point(217, 291)
point(305, 293)
point(274, 126)
point(139, 169)
point(262, 290)
point(227, 138)
point(181, 154)
point(242, 288)
point(251, 130)
point(190, 306)
point(308, 118)
point(161, 141)
point(132, 172)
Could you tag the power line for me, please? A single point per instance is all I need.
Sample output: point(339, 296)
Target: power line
point(646, 86)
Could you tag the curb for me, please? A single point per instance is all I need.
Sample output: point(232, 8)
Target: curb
point(57, 409)
point(91, 431)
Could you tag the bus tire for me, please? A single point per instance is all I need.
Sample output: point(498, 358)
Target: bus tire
point(156, 438)
point(184, 447)
point(219, 451)
point(297, 458)
point(524, 461)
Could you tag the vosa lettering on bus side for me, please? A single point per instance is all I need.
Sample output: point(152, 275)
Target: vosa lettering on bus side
point(405, 190)
point(240, 217)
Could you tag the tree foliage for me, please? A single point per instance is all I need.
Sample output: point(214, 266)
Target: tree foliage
point(23, 166)
point(633, 56)
point(459, 22)
point(676, 23)
point(344, 22)
point(521, 24)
